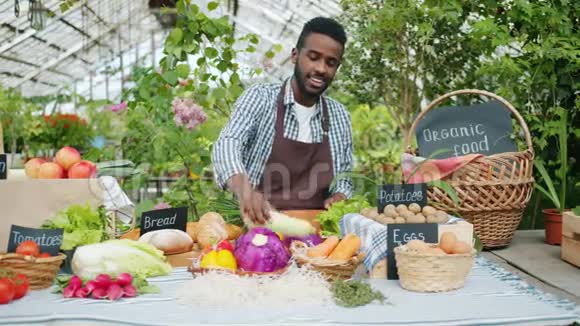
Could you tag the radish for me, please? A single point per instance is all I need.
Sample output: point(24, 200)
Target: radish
point(124, 279)
point(68, 292)
point(129, 291)
point(99, 293)
point(75, 282)
point(81, 293)
point(103, 281)
point(115, 292)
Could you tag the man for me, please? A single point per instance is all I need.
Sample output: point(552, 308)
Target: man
point(286, 143)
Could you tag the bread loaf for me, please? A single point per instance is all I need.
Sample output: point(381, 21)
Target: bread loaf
point(170, 241)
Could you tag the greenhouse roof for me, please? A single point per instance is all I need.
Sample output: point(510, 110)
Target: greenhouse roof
point(91, 46)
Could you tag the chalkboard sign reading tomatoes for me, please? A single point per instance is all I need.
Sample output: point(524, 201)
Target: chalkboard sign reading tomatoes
point(47, 240)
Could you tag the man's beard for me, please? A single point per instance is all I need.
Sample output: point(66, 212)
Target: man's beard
point(301, 81)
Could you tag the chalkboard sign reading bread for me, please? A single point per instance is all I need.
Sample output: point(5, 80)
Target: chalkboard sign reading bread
point(400, 234)
point(483, 128)
point(405, 194)
point(49, 240)
point(169, 218)
point(3, 166)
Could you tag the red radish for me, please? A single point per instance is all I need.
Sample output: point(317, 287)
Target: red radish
point(115, 292)
point(91, 286)
point(68, 292)
point(129, 291)
point(124, 279)
point(99, 293)
point(103, 281)
point(82, 293)
point(75, 283)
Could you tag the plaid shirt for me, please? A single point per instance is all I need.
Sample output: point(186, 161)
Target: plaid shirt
point(245, 143)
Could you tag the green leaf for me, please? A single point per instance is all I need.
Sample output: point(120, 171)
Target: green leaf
point(551, 192)
point(277, 47)
point(183, 70)
point(212, 5)
point(250, 49)
point(254, 39)
point(447, 188)
point(576, 210)
point(219, 93)
point(211, 52)
point(222, 66)
point(176, 35)
point(170, 77)
point(270, 54)
point(201, 61)
point(234, 78)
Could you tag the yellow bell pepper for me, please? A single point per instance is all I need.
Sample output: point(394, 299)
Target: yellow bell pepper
point(219, 259)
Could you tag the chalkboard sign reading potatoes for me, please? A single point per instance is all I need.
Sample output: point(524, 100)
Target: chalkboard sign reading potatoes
point(483, 128)
point(400, 234)
point(402, 194)
point(3, 167)
point(49, 240)
point(169, 218)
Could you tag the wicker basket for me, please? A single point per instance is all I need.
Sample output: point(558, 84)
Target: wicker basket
point(332, 270)
point(493, 190)
point(432, 273)
point(40, 272)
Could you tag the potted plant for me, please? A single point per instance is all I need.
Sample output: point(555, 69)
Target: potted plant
point(555, 190)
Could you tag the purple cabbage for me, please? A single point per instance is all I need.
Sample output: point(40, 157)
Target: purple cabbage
point(261, 250)
point(310, 240)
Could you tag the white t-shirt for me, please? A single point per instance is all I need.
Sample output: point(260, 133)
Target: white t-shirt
point(304, 115)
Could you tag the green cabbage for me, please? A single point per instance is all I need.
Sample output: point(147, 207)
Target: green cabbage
point(119, 256)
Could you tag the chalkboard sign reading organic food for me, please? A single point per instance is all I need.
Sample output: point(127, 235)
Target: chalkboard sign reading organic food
point(169, 218)
point(3, 167)
point(49, 240)
point(483, 128)
point(402, 194)
point(400, 234)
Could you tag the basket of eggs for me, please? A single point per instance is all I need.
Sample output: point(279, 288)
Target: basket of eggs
point(334, 258)
point(425, 267)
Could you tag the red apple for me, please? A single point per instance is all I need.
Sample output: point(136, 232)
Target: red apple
point(32, 166)
point(50, 170)
point(82, 170)
point(67, 157)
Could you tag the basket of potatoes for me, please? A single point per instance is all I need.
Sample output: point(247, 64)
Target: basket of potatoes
point(402, 214)
point(425, 267)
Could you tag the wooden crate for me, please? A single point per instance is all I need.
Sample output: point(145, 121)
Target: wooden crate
point(571, 238)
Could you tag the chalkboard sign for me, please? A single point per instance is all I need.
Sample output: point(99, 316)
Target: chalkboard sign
point(3, 166)
point(400, 234)
point(402, 194)
point(49, 240)
point(169, 218)
point(483, 128)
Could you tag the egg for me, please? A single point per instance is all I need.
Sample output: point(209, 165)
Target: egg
point(417, 245)
point(415, 208)
point(447, 242)
point(461, 247)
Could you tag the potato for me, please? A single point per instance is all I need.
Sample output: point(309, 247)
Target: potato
point(442, 216)
point(402, 208)
point(432, 219)
point(419, 218)
point(373, 215)
point(400, 220)
point(386, 220)
point(407, 215)
point(391, 212)
point(366, 211)
point(429, 210)
point(415, 208)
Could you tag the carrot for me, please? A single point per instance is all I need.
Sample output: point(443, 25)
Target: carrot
point(323, 249)
point(346, 248)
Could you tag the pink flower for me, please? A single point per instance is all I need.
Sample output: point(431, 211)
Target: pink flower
point(119, 107)
point(161, 206)
point(187, 113)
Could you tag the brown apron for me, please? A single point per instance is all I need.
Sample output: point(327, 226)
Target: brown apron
point(297, 175)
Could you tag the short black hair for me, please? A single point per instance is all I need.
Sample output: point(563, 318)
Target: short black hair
point(322, 25)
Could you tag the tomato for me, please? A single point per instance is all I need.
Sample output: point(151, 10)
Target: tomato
point(44, 255)
point(6, 290)
point(225, 245)
point(21, 284)
point(28, 248)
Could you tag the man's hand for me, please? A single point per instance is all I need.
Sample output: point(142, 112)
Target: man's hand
point(253, 205)
point(335, 198)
